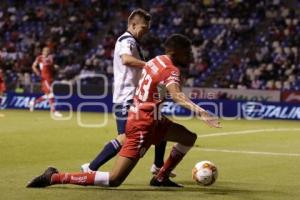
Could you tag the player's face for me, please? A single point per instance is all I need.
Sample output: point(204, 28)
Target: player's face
point(183, 56)
point(46, 51)
point(141, 27)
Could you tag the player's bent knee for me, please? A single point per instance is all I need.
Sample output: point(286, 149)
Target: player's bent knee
point(190, 139)
point(193, 138)
point(115, 181)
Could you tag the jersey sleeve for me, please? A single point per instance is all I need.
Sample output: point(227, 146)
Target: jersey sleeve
point(127, 46)
point(173, 76)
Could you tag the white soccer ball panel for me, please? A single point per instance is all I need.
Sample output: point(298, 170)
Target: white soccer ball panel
point(205, 173)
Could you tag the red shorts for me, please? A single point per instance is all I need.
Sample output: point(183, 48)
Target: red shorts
point(142, 132)
point(46, 86)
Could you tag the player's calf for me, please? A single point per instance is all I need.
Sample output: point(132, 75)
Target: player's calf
point(121, 170)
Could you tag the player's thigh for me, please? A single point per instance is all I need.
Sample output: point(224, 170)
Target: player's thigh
point(46, 86)
point(121, 138)
point(121, 114)
point(180, 134)
point(121, 170)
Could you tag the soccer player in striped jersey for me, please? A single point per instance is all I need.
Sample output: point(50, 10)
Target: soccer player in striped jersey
point(127, 64)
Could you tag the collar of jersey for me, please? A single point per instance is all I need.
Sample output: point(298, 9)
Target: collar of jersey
point(133, 36)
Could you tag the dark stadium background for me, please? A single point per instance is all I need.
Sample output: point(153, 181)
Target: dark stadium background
point(242, 50)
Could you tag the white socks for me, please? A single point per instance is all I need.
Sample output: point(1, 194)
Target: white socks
point(181, 148)
point(102, 179)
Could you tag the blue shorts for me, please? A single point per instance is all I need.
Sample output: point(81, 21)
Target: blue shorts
point(121, 113)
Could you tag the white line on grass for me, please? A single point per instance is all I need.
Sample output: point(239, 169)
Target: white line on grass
point(249, 152)
point(249, 131)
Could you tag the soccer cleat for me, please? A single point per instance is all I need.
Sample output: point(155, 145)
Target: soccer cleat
point(165, 183)
point(43, 180)
point(57, 114)
point(85, 168)
point(154, 170)
point(31, 105)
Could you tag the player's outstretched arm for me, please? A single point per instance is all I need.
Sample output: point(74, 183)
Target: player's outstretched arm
point(179, 97)
point(131, 61)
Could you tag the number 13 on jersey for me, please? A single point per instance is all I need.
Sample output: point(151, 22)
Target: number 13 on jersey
point(144, 85)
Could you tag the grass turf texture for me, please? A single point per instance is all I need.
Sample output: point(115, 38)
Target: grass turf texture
point(32, 141)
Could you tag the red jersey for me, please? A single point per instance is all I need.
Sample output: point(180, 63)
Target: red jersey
point(144, 127)
point(156, 76)
point(46, 66)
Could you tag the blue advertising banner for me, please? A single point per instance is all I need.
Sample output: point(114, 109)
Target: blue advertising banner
point(240, 109)
point(232, 109)
point(74, 103)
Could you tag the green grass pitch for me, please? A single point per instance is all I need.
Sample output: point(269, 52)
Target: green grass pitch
point(257, 160)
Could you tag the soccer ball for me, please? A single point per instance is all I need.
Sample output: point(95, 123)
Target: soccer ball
point(205, 173)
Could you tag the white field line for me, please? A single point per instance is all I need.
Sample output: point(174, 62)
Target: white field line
point(249, 132)
point(248, 152)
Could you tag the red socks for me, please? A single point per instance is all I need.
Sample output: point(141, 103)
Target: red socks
point(74, 178)
point(173, 160)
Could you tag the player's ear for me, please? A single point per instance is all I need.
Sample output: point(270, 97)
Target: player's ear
point(133, 24)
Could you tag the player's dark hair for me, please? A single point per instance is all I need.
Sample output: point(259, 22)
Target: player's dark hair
point(177, 41)
point(140, 12)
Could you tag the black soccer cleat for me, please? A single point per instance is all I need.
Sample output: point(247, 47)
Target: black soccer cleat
point(43, 180)
point(165, 183)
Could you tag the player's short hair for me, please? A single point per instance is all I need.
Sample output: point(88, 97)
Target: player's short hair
point(141, 13)
point(177, 41)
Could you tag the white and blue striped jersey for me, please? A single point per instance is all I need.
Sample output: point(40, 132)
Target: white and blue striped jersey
point(125, 78)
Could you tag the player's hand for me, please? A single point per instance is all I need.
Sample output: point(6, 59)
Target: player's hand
point(210, 119)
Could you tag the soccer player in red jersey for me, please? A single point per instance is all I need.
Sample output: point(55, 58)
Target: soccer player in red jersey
point(43, 66)
point(145, 126)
